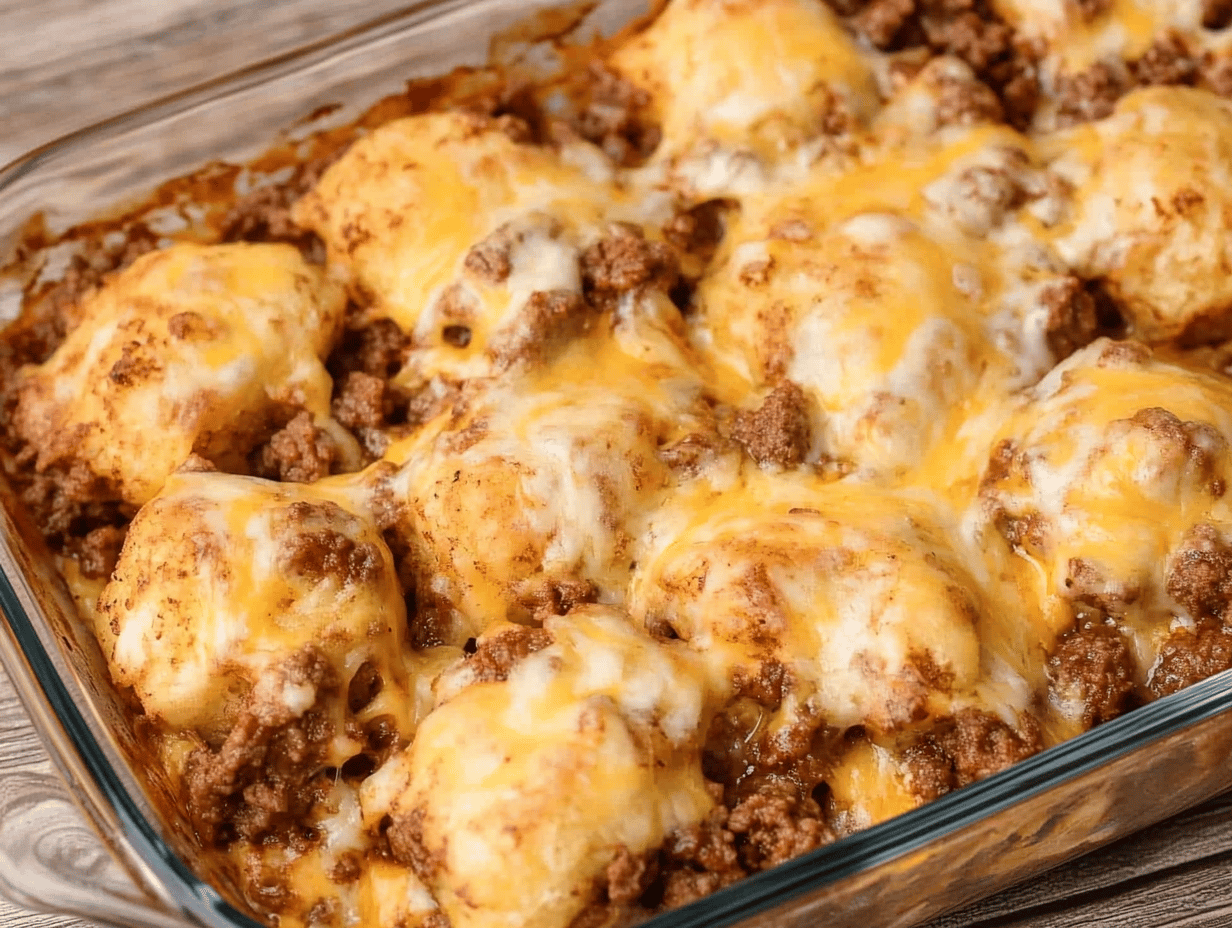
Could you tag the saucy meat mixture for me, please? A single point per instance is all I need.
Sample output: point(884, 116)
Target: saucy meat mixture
point(551, 509)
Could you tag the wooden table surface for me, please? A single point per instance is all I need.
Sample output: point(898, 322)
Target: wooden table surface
point(66, 63)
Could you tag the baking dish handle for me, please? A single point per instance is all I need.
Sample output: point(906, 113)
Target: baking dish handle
point(52, 860)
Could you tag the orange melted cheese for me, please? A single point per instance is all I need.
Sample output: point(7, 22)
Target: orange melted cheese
point(223, 578)
point(591, 743)
point(908, 275)
point(1115, 459)
point(705, 64)
point(185, 351)
point(1150, 209)
point(1117, 35)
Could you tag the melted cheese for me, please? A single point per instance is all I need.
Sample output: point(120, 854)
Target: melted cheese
point(1150, 209)
point(704, 64)
point(187, 350)
point(223, 579)
point(546, 476)
point(868, 787)
point(583, 750)
point(863, 596)
point(1114, 460)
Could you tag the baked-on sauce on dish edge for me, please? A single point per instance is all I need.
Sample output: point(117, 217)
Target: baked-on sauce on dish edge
point(546, 504)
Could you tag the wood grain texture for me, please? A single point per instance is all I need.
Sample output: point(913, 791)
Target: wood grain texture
point(20, 752)
point(68, 63)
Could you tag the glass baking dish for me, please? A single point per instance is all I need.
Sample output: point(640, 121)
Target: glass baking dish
point(135, 864)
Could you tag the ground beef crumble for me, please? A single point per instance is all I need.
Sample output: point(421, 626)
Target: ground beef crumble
point(1199, 573)
point(377, 347)
point(929, 770)
point(68, 503)
point(968, 29)
point(1190, 656)
point(490, 259)
point(778, 432)
point(1167, 61)
point(617, 903)
point(98, 550)
point(760, 831)
point(696, 861)
point(627, 876)
point(623, 261)
point(264, 214)
point(1073, 319)
point(366, 399)
point(300, 452)
point(1091, 94)
point(1093, 666)
point(744, 758)
point(330, 555)
point(974, 744)
point(51, 313)
point(613, 114)
point(498, 654)
point(966, 103)
point(265, 776)
point(776, 825)
point(361, 401)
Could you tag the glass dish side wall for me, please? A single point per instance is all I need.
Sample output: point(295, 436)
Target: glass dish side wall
point(953, 851)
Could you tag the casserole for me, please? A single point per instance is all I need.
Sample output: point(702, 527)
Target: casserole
point(1204, 768)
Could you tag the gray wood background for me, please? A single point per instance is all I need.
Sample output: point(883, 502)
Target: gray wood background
point(66, 63)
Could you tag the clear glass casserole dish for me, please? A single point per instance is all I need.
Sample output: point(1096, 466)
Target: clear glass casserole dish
point(1109, 782)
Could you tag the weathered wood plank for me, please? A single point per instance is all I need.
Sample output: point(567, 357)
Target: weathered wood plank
point(68, 63)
